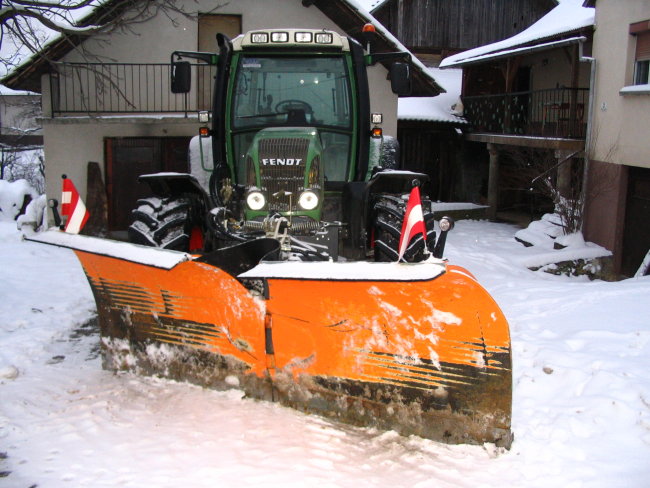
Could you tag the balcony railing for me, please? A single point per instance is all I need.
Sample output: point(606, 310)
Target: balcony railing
point(558, 112)
point(126, 88)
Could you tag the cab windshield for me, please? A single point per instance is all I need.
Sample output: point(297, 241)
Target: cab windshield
point(295, 91)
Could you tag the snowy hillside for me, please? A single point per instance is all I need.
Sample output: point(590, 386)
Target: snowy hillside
point(581, 413)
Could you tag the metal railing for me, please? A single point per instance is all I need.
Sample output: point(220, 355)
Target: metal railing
point(126, 88)
point(557, 112)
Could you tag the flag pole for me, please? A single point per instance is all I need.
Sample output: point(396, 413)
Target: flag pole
point(427, 252)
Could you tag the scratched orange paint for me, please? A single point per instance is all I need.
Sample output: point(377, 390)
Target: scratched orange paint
point(360, 330)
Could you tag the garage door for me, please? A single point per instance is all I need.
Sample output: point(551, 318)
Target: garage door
point(636, 238)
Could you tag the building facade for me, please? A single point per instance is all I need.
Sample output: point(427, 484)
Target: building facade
point(618, 178)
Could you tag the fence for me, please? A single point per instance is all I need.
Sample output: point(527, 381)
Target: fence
point(122, 88)
point(557, 112)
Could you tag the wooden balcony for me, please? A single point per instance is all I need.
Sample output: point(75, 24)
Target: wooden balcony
point(559, 113)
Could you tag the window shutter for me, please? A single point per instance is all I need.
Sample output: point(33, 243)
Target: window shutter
point(643, 46)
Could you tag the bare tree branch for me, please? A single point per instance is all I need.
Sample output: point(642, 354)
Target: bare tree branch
point(29, 24)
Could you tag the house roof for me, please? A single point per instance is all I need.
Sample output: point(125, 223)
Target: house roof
point(373, 5)
point(349, 15)
point(560, 25)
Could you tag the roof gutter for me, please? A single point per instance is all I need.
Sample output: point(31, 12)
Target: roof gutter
point(515, 52)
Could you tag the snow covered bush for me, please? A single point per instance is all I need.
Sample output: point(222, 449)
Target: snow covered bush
point(14, 198)
point(35, 216)
point(561, 253)
point(24, 165)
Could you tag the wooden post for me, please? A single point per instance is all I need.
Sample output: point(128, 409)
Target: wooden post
point(572, 130)
point(564, 173)
point(493, 182)
point(96, 203)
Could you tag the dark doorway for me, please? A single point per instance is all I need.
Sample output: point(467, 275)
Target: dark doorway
point(430, 150)
point(636, 237)
point(129, 157)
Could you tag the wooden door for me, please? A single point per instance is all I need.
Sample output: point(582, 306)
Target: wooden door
point(129, 157)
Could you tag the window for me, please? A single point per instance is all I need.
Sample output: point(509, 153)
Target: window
point(641, 71)
point(641, 30)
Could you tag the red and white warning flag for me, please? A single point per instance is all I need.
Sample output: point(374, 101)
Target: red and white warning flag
point(73, 208)
point(413, 222)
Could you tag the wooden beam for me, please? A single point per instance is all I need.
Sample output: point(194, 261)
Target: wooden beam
point(527, 141)
point(493, 181)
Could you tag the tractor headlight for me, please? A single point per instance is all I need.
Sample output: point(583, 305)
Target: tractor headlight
point(255, 200)
point(308, 200)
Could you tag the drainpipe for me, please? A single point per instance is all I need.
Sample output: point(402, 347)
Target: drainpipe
point(590, 111)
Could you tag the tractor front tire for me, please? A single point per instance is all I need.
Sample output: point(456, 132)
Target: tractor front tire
point(388, 218)
point(162, 222)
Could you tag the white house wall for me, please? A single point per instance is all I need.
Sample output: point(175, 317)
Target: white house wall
point(552, 68)
point(70, 143)
point(620, 125)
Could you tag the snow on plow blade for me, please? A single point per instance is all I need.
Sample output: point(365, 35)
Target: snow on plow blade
point(417, 348)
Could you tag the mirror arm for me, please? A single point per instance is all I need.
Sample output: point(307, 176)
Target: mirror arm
point(373, 59)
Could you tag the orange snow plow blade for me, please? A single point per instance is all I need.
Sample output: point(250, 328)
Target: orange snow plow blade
point(417, 348)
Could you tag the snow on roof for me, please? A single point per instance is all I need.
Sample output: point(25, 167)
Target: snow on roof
point(370, 5)
point(22, 56)
point(6, 91)
point(568, 16)
point(435, 109)
point(19, 53)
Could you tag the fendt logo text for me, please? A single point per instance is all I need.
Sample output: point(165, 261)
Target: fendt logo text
point(281, 161)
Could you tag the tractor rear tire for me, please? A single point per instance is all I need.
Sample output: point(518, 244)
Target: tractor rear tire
point(162, 222)
point(388, 217)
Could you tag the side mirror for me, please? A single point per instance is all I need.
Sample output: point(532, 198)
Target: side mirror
point(400, 78)
point(181, 77)
point(445, 224)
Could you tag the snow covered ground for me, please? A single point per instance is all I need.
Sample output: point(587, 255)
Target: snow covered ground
point(581, 417)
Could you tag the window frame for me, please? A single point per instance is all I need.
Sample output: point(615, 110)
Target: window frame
point(640, 82)
point(641, 72)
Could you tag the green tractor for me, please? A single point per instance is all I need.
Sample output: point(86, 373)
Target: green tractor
point(277, 291)
point(296, 155)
